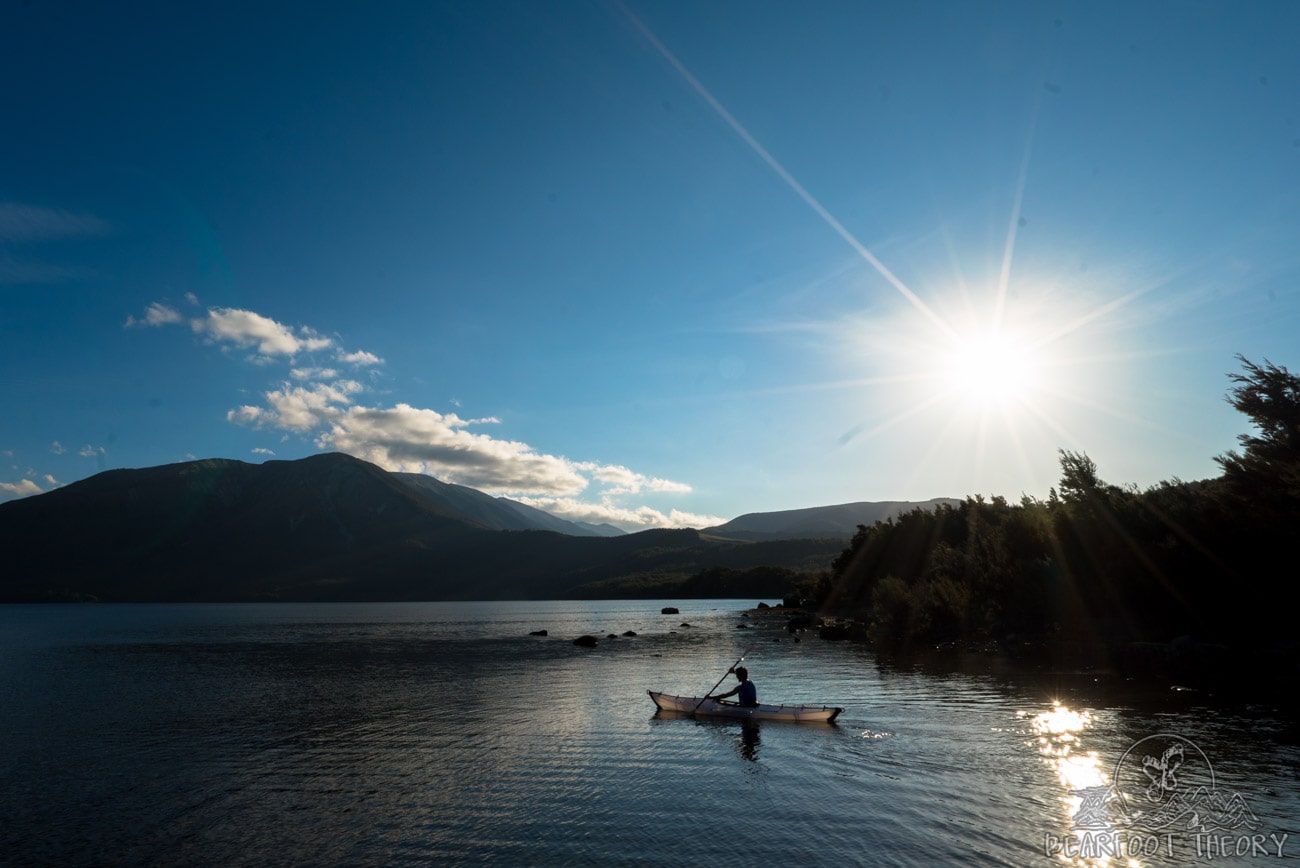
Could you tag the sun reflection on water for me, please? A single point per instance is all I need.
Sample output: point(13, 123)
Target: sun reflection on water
point(1057, 738)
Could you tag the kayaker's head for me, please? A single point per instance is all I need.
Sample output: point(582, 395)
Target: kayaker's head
point(742, 673)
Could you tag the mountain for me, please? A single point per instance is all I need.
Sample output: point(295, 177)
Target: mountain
point(496, 513)
point(217, 527)
point(330, 527)
point(819, 522)
point(602, 529)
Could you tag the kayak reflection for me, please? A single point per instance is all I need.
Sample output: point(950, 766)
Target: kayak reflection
point(749, 740)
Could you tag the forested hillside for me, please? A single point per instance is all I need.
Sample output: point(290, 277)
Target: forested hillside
point(1100, 565)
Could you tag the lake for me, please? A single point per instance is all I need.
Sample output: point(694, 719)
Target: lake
point(443, 733)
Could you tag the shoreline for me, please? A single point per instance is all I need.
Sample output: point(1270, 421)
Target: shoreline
point(1183, 668)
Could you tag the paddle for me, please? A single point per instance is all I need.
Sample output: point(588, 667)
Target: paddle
point(720, 680)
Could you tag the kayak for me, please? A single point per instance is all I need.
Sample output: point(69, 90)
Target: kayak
point(718, 708)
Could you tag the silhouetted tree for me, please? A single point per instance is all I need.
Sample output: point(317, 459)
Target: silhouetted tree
point(1078, 475)
point(1269, 463)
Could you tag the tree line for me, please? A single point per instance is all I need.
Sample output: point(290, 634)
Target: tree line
point(1097, 563)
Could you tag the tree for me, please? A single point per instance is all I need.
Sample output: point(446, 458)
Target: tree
point(1078, 475)
point(1269, 463)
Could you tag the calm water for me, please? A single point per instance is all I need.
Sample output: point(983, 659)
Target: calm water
point(442, 733)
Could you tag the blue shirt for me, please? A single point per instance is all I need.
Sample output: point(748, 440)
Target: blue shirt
point(748, 693)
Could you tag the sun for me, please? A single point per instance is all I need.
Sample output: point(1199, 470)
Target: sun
point(992, 369)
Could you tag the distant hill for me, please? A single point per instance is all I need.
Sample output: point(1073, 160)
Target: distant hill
point(330, 527)
point(497, 513)
point(819, 522)
point(602, 529)
point(218, 529)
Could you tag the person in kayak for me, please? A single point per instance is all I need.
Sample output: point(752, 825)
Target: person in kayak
point(748, 693)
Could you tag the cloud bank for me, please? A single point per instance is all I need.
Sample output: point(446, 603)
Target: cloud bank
point(320, 403)
point(21, 488)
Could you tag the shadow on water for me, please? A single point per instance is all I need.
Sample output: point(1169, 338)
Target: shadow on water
point(1085, 682)
point(747, 734)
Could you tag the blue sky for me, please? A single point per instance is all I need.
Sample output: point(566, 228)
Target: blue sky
point(654, 263)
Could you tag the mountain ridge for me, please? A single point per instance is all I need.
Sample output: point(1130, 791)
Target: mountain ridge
point(494, 513)
point(334, 527)
point(327, 527)
point(838, 521)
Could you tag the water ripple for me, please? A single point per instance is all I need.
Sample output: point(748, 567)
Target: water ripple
point(448, 735)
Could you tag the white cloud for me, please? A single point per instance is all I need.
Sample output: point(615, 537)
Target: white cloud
point(160, 314)
point(248, 329)
point(244, 328)
point(89, 451)
point(313, 373)
point(625, 481)
point(414, 440)
point(299, 408)
point(667, 485)
point(156, 314)
point(248, 415)
point(628, 518)
point(407, 438)
point(360, 357)
point(681, 518)
point(259, 450)
point(410, 439)
point(50, 480)
point(57, 448)
point(22, 488)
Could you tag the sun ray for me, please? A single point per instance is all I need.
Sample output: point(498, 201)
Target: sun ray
point(981, 441)
point(827, 385)
point(1109, 411)
point(959, 278)
point(1000, 357)
point(1100, 311)
point(1014, 435)
point(1052, 424)
point(903, 416)
point(938, 442)
point(785, 175)
point(1008, 252)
